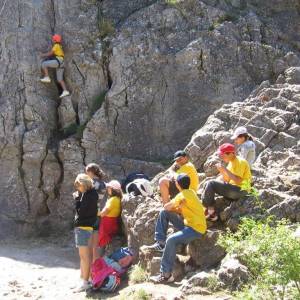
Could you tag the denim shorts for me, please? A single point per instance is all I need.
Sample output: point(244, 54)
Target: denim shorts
point(82, 237)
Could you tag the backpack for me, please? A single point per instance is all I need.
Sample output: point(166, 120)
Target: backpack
point(139, 186)
point(106, 271)
point(131, 177)
point(104, 277)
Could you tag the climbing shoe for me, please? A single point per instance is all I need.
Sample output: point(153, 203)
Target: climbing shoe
point(45, 79)
point(157, 247)
point(162, 278)
point(64, 94)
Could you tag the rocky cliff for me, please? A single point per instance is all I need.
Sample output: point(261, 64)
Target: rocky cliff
point(144, 76)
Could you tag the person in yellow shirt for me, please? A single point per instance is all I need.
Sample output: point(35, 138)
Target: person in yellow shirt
point(189, 220)
point(55, 59)
point(235, 184)
point(181, 164)
point(109, 224)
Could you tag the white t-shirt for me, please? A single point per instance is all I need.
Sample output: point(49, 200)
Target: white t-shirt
point(247, 151)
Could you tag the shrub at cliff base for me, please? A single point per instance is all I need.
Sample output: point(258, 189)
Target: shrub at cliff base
point(272, 254)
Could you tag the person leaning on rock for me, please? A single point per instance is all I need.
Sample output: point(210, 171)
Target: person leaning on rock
point(235, 180)
point(186, 213)
point(55, 59)
point(167, 184)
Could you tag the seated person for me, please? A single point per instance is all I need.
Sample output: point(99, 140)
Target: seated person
point(235, 180)
point(245, 145)
point(186, 213)
point(181, 164)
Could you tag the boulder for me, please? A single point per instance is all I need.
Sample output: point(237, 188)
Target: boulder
point(204, 252)
point(232, 273)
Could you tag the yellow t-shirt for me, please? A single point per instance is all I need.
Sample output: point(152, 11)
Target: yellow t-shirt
point(191, 209)
point(240, 167)
point(114, 206)
point(191, 171)
point(58, 50)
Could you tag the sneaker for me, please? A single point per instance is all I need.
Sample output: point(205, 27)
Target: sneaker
point(45, 79)
point(211, 216)
point(162, 278)
point(64, 94)
point(83, 287)
point(155, 247)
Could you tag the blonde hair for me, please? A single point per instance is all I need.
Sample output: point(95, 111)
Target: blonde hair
point(83, 180)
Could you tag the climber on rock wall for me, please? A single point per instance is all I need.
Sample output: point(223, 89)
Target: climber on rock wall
point(55, 59)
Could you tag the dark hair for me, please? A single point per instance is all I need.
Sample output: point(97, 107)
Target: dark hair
point(247, 136)
point(116, 193)
point(95, 169)
point(184, 181)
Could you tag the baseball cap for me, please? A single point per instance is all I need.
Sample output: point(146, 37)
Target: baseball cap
point(239, 131)
point(115, 184)
point(179, 153)
point(183, 180)
point(226, 148)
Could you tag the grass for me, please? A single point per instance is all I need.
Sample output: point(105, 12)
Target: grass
point(106, 27)
point(137, 274)
point(73, 129)
point(97, 103)
point(224, 18)
point(139, 294)
point(213, 283)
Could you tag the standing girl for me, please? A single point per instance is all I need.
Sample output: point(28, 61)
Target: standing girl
point(97, 175)
point(86, 199)
point(110, 214)
point(246, 146)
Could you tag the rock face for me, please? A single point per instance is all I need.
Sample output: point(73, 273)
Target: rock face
point(143, 76)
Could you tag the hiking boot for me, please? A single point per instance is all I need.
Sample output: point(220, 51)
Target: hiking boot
point(64, 94)
point(45, 79)
point(162, 278)
point(211, 216)
point(157, 247)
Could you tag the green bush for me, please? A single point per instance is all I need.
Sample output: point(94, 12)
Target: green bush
point(272, 254)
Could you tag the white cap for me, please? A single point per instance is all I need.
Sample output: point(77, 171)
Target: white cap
point(115, 184)
point(239, 131)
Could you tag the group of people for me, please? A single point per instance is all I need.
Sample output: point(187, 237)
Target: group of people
point(98, 204)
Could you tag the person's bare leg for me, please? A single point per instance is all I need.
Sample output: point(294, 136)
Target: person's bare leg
point(95, 247)
point(84, 253)
point(45, 71)
point(63, 85)
point(164, 190)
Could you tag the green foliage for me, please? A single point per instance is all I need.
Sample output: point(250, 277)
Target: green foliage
point(73, 129)
point(172, 2)
point(213, 283)
point(106, 27)
point(272, 254)
point(137, 274)
point(139, 294)
point(224, 18)
point(97, 103)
